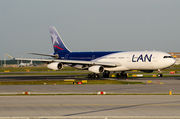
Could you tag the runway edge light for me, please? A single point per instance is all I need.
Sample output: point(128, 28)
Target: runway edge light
point(170, 92)
point(101, 93)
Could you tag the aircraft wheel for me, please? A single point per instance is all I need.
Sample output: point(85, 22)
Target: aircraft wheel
point(160, 75)
point(117, 75)
point(89, 76)
point(125, 75)
point(97, 76)
point(105, 75)
point(121, 75)
point(93, 76)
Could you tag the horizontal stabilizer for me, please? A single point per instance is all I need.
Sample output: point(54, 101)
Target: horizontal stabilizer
point(42, 54)
point(9, 56)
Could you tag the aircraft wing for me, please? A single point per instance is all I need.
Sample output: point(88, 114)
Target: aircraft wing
point(70, 61)
point(43, 54)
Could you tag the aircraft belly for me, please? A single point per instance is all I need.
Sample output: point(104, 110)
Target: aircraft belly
point(119, 68)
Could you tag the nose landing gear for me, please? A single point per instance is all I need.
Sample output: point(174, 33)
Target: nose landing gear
point(160, 73)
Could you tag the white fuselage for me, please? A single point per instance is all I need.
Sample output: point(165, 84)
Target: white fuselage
point(138, 60)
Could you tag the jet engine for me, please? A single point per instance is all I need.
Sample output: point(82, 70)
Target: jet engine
point(96, 69)
point(147, 71)
point(55, 65)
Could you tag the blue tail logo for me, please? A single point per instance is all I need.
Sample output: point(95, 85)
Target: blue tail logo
point(59, 46)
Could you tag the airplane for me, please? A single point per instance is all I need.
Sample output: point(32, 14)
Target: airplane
point(103, 62)
point(26, 64)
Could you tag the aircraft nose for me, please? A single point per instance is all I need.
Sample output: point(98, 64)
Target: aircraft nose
point(172, 61)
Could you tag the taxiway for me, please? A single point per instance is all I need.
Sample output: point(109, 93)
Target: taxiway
point(90, 105)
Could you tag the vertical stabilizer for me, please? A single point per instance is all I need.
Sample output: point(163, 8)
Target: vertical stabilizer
point(58, 44)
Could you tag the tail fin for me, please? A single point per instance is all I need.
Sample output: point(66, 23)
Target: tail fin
point(58, 44)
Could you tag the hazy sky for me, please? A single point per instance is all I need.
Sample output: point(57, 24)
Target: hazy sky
point(86, 25)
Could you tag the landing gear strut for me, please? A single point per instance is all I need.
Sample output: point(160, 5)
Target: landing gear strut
point(160, 73)
point(93, 75)
point(121, 75)
point(106, 74)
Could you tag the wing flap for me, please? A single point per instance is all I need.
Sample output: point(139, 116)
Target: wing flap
point(10, 57)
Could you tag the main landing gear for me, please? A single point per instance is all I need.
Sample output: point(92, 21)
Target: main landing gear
point(121, 75)
point(93, 75)
point(106, 74)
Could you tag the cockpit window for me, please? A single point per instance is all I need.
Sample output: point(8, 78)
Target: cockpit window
point(168, 57)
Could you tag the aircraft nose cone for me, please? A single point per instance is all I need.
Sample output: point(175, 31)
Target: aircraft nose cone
point(172, 61)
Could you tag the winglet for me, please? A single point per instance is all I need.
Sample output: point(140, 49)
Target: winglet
point(9, 56)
